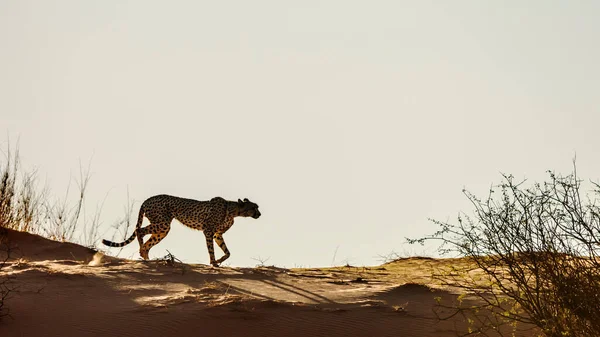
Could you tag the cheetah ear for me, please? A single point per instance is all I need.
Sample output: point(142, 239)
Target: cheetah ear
point(240, 201)
point(246, 200)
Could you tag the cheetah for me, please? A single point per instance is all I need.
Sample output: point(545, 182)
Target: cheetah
point(212, 217)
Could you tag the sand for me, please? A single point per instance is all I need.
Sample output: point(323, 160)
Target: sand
point(63, 289)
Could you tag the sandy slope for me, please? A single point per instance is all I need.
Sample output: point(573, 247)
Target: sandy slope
point(68, 290)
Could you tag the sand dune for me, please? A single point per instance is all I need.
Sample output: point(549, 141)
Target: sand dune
point(68, 290)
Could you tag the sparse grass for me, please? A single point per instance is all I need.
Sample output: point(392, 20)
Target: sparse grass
point(17, 210)
point(19, 201)
point(26, 206)
point(261, 261)
point(171, 261)
point(395, 256)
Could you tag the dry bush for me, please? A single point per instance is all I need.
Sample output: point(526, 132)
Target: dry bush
point(531, 259)
point(26, 206)
point(63, 216)
point(18, 196)
point(18, 204)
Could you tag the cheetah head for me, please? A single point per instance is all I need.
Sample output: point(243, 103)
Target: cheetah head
point(248, 209)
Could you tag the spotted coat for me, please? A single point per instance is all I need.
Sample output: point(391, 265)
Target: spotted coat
point(213, 217)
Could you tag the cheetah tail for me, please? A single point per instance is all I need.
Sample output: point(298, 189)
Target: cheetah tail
point(120, 244)
point(132, 237)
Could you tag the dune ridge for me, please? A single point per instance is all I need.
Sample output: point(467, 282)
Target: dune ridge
point(68, 290)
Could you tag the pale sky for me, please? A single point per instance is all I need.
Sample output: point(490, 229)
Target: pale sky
point(350, 123)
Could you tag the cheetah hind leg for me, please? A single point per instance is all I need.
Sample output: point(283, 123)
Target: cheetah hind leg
point(158, 233)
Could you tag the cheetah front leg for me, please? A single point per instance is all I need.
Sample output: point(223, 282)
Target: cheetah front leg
point(219, 239)
point(211, 248)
